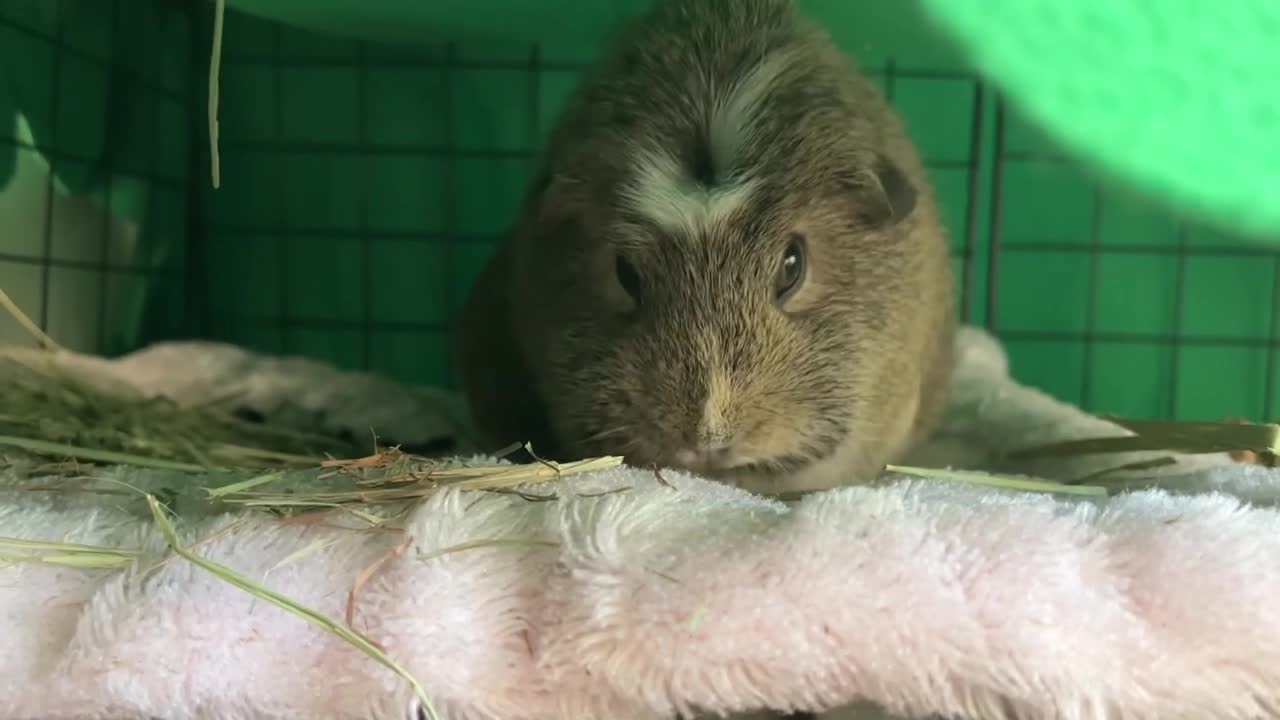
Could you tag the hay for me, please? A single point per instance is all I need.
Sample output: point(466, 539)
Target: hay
point(11, 307)
point(347, 633)
point(215, 66)
point(17, 550)
point(48, 410)
point(1259, 440)
point(1004, 482)
point(390, 477)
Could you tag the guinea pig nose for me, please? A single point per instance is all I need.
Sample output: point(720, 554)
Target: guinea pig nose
point(715, 453)
point(705, 456)
point(688, 458)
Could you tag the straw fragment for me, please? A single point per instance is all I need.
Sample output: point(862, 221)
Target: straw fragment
point(391, 477)
point(1168, 436)
point(314, 617)
point(215, 65)
point(1003, 482)
point(17, 550)
point(23, 320)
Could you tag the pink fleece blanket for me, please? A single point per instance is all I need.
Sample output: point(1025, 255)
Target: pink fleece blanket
point(916, 598)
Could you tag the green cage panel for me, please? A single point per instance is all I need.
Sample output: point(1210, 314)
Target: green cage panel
point(366, 178)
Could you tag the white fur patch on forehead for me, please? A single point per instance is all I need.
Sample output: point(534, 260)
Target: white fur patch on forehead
point(663, 191)
point(733, 114)
point(663, 188)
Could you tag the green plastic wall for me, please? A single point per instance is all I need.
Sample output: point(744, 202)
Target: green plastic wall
point(364, 184)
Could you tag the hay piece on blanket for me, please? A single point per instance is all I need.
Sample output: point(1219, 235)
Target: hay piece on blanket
point(390, 477)
point(1252, 457)
point(375, 488)
point(347, 633)
point(1233, 437)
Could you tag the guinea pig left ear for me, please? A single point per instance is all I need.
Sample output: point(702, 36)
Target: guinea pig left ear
point(554, 194)
point(884, 194)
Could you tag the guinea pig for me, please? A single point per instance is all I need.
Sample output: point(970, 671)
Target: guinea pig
point(730, 262)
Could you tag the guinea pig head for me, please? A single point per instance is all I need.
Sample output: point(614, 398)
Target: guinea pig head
point(710, 326)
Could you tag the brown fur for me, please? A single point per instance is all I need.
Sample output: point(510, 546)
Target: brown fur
point(844, 378)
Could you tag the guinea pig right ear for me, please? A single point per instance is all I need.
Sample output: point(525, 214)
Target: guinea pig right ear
point(884, 195)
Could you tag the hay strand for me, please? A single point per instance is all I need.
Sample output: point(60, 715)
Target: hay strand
point(1167, 436)
point(391, 477)
point(1105, 475)
point(18, 550)
point(314, 617)
point(242, 486)
point(215, 67)
point(485, 543)
point(367, 574)
point(62, 451)
point(25, 322)
point(1003, 482)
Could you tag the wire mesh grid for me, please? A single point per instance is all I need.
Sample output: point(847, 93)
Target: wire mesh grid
point(1119, 307)
point(363, 296)
point(364, 185)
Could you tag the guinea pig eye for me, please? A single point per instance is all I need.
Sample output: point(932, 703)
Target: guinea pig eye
point(628, 278)
point(790, 271)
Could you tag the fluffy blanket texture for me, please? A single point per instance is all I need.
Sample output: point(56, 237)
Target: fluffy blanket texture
point(912, 597)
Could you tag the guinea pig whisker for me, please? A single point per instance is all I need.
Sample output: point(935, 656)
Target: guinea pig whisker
point(607, 433)
point(619, 440)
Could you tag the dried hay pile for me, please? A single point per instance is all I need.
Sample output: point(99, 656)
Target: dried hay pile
point(58, 426)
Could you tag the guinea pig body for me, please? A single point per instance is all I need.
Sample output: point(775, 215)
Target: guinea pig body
point(731, 263)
